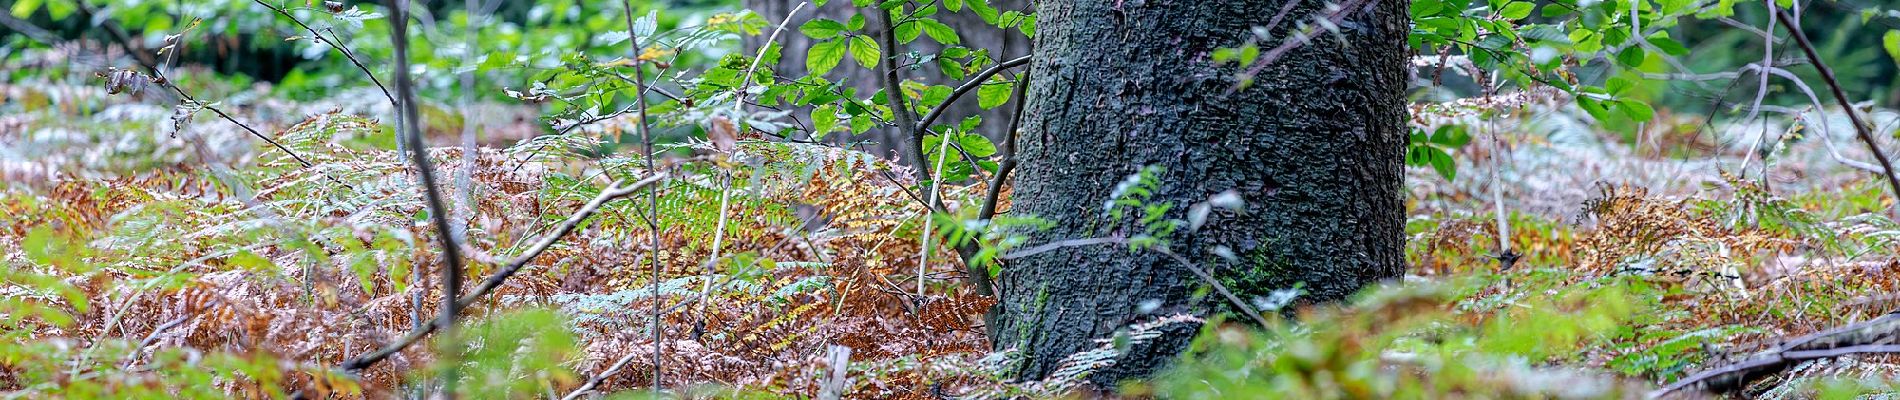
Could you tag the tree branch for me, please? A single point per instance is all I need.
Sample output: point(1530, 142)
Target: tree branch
point(653, 199)
point(1190, 265)
point(495, 280)
point(974, 82)
point(1861, 128)
point(158, 77)
point(419, 156)
point(1871, 336)
point(894, 97)
point(339, 48)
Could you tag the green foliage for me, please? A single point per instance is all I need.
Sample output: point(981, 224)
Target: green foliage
point(1435, 150)
point(1414, 341)
point(517, 354)
point(1135, 193)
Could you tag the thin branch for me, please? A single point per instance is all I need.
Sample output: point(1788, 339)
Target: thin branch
point(936, 197)
point(1302, 37)
point(1218, 287)
point(1053, 246)
point(118, 35)
point(419, 156)
point(974, 82)
point(1861, 128)
point(1191, 266)
point(340, 48)
point(501, 275)
point(595, 381)
point(1761, 92)
point(979, 277)
point(1008, 163)
point(29, 30)
point(158, 77)
point(1860, 338)
point(132, 359)
point(653, 197)
point(894, 97)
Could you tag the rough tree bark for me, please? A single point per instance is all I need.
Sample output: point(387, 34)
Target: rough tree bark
point(1314, 146)
point(1003, 45)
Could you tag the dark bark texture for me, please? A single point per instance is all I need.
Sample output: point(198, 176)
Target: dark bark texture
point(1314, 146)
point(887, 142)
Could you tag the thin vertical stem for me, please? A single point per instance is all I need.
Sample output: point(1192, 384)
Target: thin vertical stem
point(419, 155)
point(653, 196)
point(923, 260)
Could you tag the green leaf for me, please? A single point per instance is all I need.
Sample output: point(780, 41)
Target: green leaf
point(1668, 46)
point(822, 28)
point(1517, 10)
point(248, 261)
point(857, 22)
point(1637, 110)
point(954, 5)
point(977, 145)
point(865, 51)
point(909, 31)
point(1631, 57)
point(25, 8)
point(1587, 41)
point(860, 123)
point(950, 68)
point(1426, 8)
point(1546, 33)
point(1442, 162)
point(936, 94)
point(824, 56)
point(1451, 136)
point(982, 9)
point(1552, 12)
point(993, 94)
point(940, 32)
point(1891, 41)
point(824, 120)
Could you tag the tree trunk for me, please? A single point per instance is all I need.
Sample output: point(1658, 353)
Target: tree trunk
point(1314, 146)
point(976, 34)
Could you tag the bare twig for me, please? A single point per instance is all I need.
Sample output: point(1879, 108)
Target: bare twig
point(153, 337)
point(595, 381)
point(1008, 163)
point(1861, 128)
point(1872, 336)
point(1761, 91)
point(419, 156)
point(1191, 266)
point(618, 190)
point(936, 197)
point(653, 197)
point(29, 30)
point(158, 77)
point(1302, 37)
point(340, 48)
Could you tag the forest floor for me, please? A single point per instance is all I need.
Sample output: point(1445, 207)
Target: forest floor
point(140, 236)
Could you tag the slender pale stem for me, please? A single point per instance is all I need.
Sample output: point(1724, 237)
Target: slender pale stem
point(923, 260)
